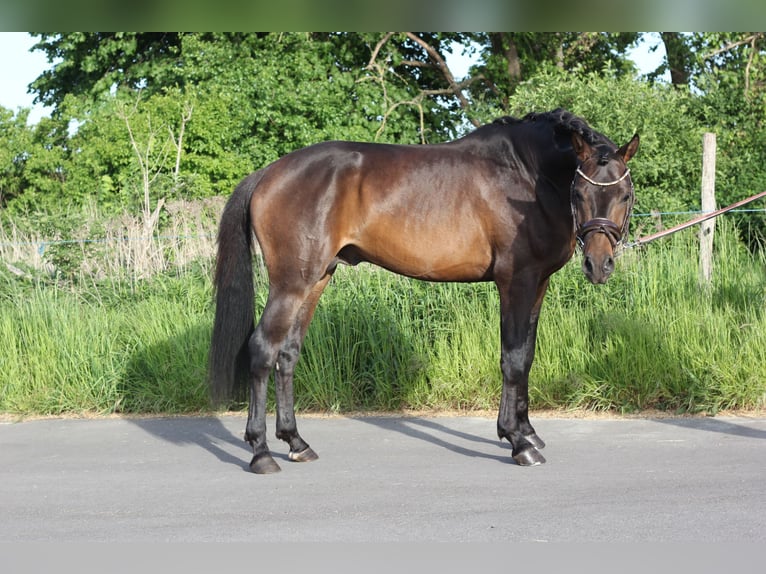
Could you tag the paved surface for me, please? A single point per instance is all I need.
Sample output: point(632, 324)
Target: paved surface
point(384, 479)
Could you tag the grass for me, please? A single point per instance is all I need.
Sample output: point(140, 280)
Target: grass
point(651, 338)
point(656, 338)
point(137, 351)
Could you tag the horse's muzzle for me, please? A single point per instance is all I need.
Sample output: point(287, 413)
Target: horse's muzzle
point(598, 268)
point(598, 255)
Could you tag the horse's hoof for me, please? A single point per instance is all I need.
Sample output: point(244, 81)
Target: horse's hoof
point(536, 441)
point(529, 457)
point(264, 464)
point(306, 455)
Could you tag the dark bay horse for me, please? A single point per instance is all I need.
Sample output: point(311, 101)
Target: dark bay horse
point(507, 203)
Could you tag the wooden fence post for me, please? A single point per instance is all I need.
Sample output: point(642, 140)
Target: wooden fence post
point(707, 228)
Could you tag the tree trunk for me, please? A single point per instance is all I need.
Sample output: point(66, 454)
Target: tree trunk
point(504, 45)
point(679, 57)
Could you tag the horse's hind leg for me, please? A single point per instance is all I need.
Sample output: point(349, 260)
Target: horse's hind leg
point(287, 429)
point(264, 345)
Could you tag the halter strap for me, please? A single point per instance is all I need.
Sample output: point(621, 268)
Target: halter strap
point(602, 184)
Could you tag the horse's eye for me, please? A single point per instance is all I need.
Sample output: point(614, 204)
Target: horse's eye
point(626, 199)
point(578, 197)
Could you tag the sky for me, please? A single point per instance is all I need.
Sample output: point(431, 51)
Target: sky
point(19, 67)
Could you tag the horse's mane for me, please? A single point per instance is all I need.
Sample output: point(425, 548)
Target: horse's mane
point(562, 121)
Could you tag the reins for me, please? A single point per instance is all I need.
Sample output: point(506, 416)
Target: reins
point(704, 217)
point(617, 235)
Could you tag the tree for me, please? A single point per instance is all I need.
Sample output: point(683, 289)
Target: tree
point(31, 159)
point(15, 142)
point(511, 57)
point(679, 58)
point(90, 64)
point(255, 97)
point(693, 58)
point(407, 70)
point(731, 79)
point(418, 61)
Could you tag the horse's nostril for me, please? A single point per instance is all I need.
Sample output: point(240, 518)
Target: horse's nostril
point(588, 264)
point(609, 265)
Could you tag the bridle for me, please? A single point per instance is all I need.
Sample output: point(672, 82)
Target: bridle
point(615, 233)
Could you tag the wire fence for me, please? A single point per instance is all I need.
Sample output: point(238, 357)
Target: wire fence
point(128, 248)
point(124, 244)
point(695, 212)
point(43, 243)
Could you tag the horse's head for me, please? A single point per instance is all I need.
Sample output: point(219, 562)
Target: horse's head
point(602, 200)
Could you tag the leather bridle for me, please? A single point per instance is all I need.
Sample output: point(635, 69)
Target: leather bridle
point(615, 233)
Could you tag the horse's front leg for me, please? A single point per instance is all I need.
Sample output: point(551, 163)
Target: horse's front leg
point(519, 317)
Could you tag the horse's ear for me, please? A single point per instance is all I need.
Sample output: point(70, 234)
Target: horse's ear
point(629, 149)
point(581, 147)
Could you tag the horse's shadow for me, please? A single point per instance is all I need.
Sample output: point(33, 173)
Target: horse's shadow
point(146, 370)
point(209, 433)
point(430, 431)
point(716, 425)
point(151, 380)
point(173, 372)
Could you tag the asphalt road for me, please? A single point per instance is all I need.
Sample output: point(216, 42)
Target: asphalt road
point(381, 479)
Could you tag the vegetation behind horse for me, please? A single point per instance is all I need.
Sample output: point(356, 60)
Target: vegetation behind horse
point(648, 339)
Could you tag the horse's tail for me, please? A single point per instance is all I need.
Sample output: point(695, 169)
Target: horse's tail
point(228, 361)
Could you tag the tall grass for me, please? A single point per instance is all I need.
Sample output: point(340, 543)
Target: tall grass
point(655, 337)
point(651, 338)
point(105, 348)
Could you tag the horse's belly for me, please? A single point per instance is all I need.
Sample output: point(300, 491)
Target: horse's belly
point(430, 257)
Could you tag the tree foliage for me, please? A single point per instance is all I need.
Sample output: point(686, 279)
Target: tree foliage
point(89, 64)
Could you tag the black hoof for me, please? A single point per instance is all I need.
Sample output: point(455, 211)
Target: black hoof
point(264, 464)
point(536, 441)
point(306, 455)
point(529, 457)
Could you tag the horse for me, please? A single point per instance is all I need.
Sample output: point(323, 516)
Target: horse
point(508, 202)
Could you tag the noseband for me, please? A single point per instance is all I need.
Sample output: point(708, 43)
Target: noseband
point(613, 232)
